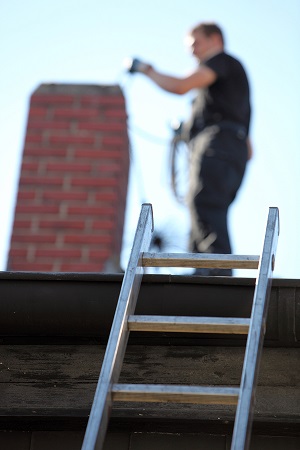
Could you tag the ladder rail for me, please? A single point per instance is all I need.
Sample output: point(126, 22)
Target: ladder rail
point(245, 409)
point(116, 346)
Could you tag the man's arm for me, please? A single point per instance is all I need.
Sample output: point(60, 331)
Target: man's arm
point(202, 77)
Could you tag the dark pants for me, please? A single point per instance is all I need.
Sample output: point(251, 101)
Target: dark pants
point(218, 161)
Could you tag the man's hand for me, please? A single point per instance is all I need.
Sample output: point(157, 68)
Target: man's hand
point(200, 78)
point(136, 66)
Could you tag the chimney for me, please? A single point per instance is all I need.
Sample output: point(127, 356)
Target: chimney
point(71, 202)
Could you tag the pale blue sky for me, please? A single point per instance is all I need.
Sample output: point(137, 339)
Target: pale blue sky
point(86, 41)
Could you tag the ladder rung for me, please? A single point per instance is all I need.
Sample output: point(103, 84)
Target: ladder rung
point(175, 394)
point(225, 325)
point(200, 260)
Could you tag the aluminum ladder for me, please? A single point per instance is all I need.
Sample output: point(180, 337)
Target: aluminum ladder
point(108, 389)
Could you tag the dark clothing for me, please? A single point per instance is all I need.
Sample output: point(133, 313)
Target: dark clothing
point(220, 125)
point(225, 100)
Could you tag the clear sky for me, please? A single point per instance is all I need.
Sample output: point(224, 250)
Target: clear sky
point(86, 41)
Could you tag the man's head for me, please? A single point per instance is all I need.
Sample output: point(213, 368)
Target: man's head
point(205, 40)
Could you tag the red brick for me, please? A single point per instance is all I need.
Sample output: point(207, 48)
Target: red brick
point(106, 168)
point(84, 267)
point(18, 252)
point(30, 139)
point(106, 196)
point(40, 181)
point(58, 253)
point(64, 196)
point(37, 209)
point(97, 126)
point(116, 113)
point(91, 210)
point(114, 140)
point(34, 238)
point(62, 224)
point(56, 139)
point(31, 267)
point(103, 225)
point(84, 239)
point(97, 154)
point(30, 166)
point(45, 151)
point(40, 112)
point(68, 167)
point(47, 99)
point(94, 182)
point(22, 224)
point(34, 124)
point(76, 113)
point(99, 100)
point(26, 195)
point(99, 255)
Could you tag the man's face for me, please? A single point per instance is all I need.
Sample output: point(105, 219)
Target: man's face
point(201, 45)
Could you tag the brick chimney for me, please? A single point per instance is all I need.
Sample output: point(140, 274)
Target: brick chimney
point(70, 208)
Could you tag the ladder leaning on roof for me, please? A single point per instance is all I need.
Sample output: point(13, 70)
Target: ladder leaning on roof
point(108, 389)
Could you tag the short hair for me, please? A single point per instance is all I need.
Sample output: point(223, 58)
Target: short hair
point(208, 28)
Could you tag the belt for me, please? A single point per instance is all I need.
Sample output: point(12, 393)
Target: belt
point(232, 126)
point(239, 129)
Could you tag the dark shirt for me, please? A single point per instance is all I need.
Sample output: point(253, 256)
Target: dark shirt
point(227, 99)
